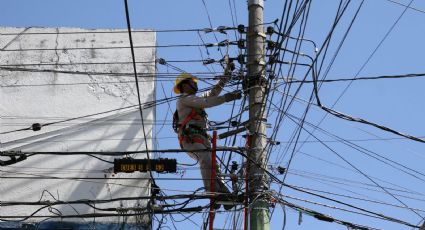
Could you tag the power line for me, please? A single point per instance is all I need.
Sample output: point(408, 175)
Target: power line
point(369, 153)
point(100, 201)
point(206, 30)
point(274, 178)
point(361, 172)
point(412, 75)
point(148, 104)
point(101, 48)
point(408, 6)
point(94, 63)
point(352, 206)
point(333, 207)
point(363, 199)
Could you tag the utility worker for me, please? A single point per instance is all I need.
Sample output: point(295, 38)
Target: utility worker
point(190, 121)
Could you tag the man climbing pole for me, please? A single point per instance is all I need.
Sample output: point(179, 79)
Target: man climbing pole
point(190, 121)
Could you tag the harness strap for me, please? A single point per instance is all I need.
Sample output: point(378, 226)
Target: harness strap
point(190, 138)
point(187, 119)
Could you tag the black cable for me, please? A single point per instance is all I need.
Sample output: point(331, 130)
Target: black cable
point(98, 63)
point(306, 110)
point(341, 9)
point(273, 177)
point(191, 196)
point(114, 153)
point(290, 103)
point(326, 218)
point(98, 215)
point(154, 184)
point(151, 75)
point(368, 152)
point(101, 48)
point(284, 217)
point(210, 22)
point(361, 172)
point(342, 181)
point(407, 6)
point(221, 28)
point(411, 75)
point(363, 121)
point(346, 117)
point(147, 104)
point(16, 37)
point(363, 199)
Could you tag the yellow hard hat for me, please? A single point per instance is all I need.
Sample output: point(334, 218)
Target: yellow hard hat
point(181, 78)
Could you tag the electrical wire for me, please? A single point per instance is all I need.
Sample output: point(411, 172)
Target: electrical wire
point(220, 28)
point(361, 172)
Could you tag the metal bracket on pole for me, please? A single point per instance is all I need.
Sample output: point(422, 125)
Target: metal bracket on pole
point(256, 2)
point(256, 33)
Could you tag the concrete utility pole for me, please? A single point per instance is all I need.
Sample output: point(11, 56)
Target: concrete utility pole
point(257, 181)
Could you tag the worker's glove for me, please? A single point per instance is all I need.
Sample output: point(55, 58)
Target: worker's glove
point(235, 95)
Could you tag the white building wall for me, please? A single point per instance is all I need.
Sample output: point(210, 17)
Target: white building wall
point(52, 85)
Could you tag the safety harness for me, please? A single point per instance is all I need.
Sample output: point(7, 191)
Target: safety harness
point(190, 133)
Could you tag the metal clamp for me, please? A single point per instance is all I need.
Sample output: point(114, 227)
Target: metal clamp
point(256, 2)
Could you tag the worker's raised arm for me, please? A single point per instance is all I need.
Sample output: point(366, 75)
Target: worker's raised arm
point(207, 102)
point(217, 88)
point(201, 102)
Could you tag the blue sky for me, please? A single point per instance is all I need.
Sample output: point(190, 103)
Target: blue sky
point(396, 103)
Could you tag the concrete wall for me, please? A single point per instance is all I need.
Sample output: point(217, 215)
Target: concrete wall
point(44, 78)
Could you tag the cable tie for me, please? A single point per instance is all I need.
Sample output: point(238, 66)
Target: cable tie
point(210, 44)
point(47, 202)
point(223, 43)
point(222, 29)
point(271, 45)
point(323, 217)
point(281, 170)
point(234, 123)
point(234, 166)
point(241, 43)
point(273, 142)
point(272, 59)
point(11, 153)
point(269, 30)
point(161, 61)
point(300, 217)
point(36, 127)
point(240, 59)
point(208, 61)
point(241, 28)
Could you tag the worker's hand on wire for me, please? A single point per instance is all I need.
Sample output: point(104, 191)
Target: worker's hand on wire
point(235, 95)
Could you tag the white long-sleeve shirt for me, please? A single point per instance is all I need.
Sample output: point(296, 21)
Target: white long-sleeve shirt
point(208, 99)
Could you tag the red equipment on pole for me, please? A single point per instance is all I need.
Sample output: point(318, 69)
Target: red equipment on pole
point(213, 179)
point(246, 211)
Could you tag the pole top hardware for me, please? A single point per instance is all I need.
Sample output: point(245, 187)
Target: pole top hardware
point(256, 2)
